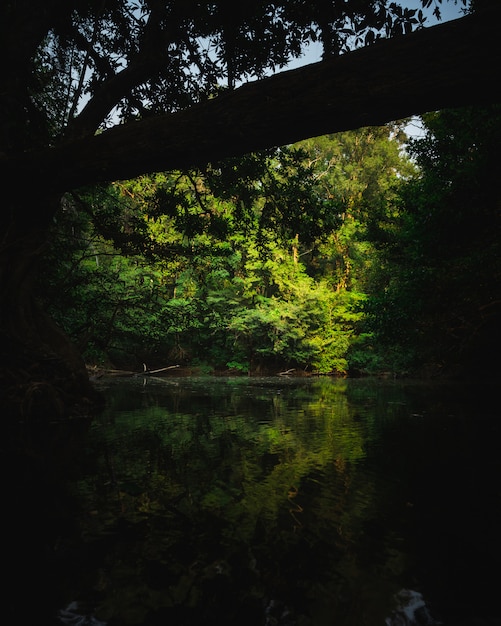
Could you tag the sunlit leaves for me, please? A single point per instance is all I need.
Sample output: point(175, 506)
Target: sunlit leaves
point(255, 261)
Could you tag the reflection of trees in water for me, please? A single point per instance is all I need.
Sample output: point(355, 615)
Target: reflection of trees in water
point(206, 509)
point(295, 507)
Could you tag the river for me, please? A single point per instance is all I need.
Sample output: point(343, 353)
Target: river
point(284, 501)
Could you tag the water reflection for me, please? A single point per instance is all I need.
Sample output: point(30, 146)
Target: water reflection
point(284, 501)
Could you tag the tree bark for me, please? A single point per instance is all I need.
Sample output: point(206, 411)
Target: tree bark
point(449, 65)
point(42, 375)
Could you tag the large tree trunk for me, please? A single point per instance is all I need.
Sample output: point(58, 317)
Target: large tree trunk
point(42, 376)
point(450, 65)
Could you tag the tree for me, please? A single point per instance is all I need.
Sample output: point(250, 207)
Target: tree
point(435, 299)
point(166, 71)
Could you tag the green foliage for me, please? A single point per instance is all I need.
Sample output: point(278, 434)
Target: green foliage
point(337, 255)
point(255, 264)
point(255, 261)
point(439, 270)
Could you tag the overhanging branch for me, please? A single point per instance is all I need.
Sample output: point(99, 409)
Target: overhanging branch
point(449, 65)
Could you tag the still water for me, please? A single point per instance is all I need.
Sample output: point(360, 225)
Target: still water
point(286, 501)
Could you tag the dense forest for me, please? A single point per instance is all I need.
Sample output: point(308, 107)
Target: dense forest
point(172, 208)
point(363, 252)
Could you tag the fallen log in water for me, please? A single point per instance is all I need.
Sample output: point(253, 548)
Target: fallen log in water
point(147, 372)
point(96, 373)
point(287, 372)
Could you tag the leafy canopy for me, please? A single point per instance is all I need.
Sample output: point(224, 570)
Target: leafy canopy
point(73, 67)
point(256, 262)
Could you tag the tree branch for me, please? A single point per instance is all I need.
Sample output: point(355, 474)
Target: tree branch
point(449, 65)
